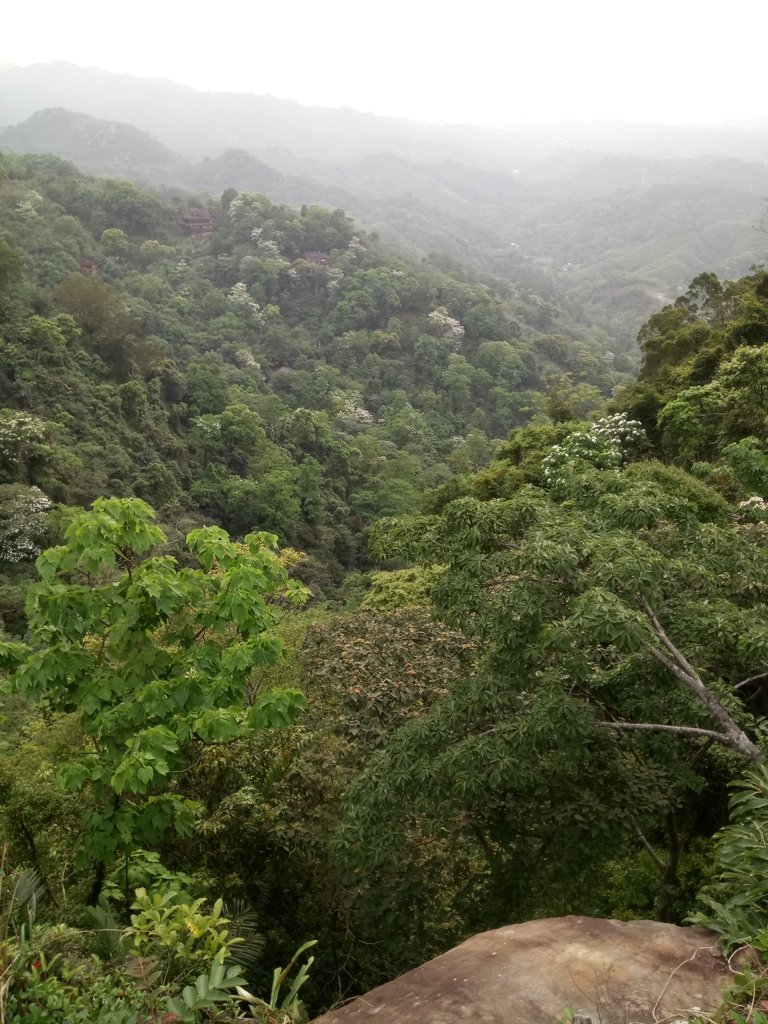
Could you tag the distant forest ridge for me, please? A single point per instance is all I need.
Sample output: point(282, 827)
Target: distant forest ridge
point(609, 220)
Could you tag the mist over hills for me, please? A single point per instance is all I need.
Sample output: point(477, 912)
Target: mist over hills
point(610, 218)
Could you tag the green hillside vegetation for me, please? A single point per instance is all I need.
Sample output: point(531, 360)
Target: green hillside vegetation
point(375, 608)
point(232, 378)
point(107, 148)
point(609, 221)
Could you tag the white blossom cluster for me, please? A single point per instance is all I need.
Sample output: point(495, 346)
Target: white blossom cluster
point(266, 247)
point(447, 325)
point(606, 445)
point(755, 508)
point(30, 205)
point(238, 294)
point(270, 250)
point(241, 209)
point(208, 426)
point(19, 432)
point(343, 342)
point(22, 521)
point(625, 432)
point(355, 247)
point(349, 411)
point(334, 277)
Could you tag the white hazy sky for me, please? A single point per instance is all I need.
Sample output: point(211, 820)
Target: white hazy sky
point(480, 61)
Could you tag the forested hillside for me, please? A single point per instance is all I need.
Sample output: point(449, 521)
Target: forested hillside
point(608, 221)
point(375, 607)
point(283, 371)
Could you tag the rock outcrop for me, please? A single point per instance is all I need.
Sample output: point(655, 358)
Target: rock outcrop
point(609, 972)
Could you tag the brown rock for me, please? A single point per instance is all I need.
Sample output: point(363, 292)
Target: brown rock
point(614, 972)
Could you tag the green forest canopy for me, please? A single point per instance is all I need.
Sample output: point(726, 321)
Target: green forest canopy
point(534, 705)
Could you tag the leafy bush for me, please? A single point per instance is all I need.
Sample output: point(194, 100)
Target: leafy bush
point(736, 902)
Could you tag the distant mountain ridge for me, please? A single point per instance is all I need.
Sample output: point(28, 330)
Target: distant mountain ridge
point(197, 122)
point(610, 218)
point(105, 148)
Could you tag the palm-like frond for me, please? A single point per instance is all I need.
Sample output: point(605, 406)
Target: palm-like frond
point(108, 931)
point(244, 924)
point(21, 893)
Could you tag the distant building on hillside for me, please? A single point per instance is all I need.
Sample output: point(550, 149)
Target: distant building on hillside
point(197, 222)
point(320, 259)
point(87, 266)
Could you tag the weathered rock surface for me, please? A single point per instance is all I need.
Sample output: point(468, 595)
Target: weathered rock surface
point(614, 972)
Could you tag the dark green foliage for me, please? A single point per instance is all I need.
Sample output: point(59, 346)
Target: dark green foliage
point(703, 378)
point(531, 768)
point(373, 671)
point(706, 504)
point(273, 803)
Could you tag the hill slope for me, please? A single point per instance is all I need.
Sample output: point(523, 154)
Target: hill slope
point(559, 208)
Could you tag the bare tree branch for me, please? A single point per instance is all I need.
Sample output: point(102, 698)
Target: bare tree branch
point(660, 864)
point(679, 657)
point(751, 679)
point(680, 730)
point(676, 662)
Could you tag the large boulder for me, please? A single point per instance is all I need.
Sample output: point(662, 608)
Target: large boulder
point(609, 972)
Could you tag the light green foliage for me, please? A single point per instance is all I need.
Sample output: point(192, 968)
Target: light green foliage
point(48, 975)
point(748, 460)
point(284, 998)
point(736, 902)
point(214, 988)
point(154, 658)
point(144, 870)
point(340, 390)
point(53, 989)
point(37, 984)
point(705, 369)
point(182, 937)
point(689, 423)
point(39, 822)
point(400, 588)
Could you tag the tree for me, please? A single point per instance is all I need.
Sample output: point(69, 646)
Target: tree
point(22, 438)
point(154, 658)
point(23, 521)
point(10, 267)
point(621, 622)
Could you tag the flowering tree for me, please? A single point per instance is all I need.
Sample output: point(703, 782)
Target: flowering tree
point(608, 444)
point(238, 294)
point(445, 325)
point(23, 519)
point(22, 435)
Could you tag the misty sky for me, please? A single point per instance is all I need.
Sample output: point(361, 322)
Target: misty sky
point(483, 62)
